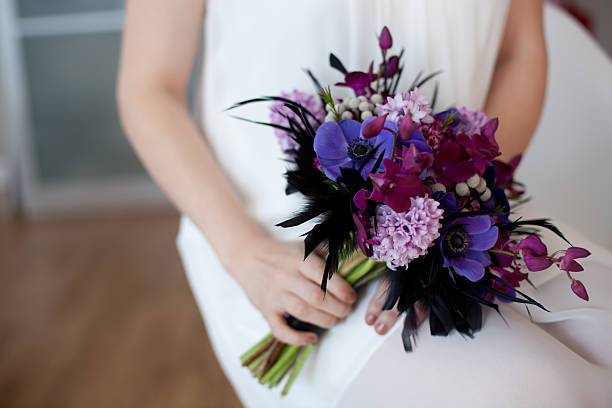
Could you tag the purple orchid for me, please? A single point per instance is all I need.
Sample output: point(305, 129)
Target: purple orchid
point(464, 243)
point(481, 147)
point(341, 145)
point(399, 182)
point(504, 174)
point(534, 253)
point(453, 163)
point(359, 82)
point(567, 261)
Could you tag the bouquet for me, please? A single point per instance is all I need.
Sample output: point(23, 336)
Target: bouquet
point(400, 191)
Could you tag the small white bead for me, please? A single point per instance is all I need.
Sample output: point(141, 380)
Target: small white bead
point(438, 187)
point(486, 196)
point(473, 181)
point(482, 186)
point(347, 115)
point(376, 111)
point(462, 189)
point(376, 98)
point(353, 103)
point(366, 115)
point(330, 117)
point(365, 106)
point(362, 98)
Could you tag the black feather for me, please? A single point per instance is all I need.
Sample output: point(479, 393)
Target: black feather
point(336, 63)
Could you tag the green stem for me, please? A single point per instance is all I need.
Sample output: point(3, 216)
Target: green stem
point(360, 271)
point(281, 374)
point(255, 363)
point(292, 352)
point(500, 251)
point(255, 348)
point(298, 367)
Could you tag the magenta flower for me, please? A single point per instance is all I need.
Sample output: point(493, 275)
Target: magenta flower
point(453, 163)
point(464, 243)
point(567, 261)
point(404, 236)
point(399, 182)
point(482, 148)
point(391, 67)
point(534, 253)
point(359, 82)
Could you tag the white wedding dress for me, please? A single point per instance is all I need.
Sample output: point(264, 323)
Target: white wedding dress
point(255, 48)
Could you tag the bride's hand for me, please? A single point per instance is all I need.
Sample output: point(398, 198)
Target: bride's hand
point(383, 320)
point(276, 279)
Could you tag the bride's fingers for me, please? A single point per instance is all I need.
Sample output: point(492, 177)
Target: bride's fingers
point(313, 268)
point(281, 330)
point(376, 303)
point(301, 310)
point(311, 293)
point(386, 319)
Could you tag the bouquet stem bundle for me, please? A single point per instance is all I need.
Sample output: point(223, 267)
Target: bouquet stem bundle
point(271, 360)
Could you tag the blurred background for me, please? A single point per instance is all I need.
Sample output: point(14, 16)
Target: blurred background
point(95, 310)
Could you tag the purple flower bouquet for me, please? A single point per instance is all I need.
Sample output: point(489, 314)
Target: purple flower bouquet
point(417, 197)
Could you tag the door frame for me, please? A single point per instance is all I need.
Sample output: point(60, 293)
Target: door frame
point(27, 194)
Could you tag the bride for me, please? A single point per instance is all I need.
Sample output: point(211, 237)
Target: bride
point(225, 176)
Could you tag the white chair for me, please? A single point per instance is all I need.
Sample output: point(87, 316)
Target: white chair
point(568, 165)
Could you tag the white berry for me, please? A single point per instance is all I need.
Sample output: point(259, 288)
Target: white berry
point(365, 106)
point(346, 115)
point(462, 189)
point(376, 98)
point(366, 115)
point(482, 186)
point(438, 187)
point(362, 98)
point(486, 196)
point(353, 103)
point(330, 117)
point(473, 181)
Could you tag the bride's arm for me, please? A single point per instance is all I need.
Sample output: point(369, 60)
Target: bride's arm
point(159, 47)
point(517, 91)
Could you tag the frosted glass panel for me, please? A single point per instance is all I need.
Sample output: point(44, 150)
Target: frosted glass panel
point(28, 8)
point(76, 127)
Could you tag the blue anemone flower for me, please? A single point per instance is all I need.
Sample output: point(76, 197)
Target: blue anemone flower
point(341, 145)
point(464, 243)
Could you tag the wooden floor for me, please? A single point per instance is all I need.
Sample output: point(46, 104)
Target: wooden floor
point(97, 313)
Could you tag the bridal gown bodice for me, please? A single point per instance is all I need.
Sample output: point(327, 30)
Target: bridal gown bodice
point(255, 48)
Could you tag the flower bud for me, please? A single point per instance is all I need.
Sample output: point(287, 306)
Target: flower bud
point(374, 127)
point(406, 128)
point(579, 289)
point(385, 41)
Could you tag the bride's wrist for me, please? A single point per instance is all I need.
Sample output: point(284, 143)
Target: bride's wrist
point(235, 255)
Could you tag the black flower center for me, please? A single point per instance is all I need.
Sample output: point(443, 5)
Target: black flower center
point(456, 241)
point(359, 149)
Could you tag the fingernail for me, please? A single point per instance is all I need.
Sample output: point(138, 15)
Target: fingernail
point(312, 338)
point(353, 297)
point(370, 318)
point(380, 328)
